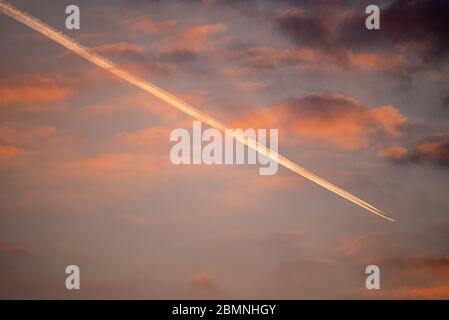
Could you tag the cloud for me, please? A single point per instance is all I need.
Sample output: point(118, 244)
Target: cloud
point(8, 152)
point(153, 141)
point(147, 137)
point(315, 58)
point(176, 48)
point(419, 278)
point(433, 149)
point(178, 55)
point(431, 292)
point(17, 134)
point(89, 36)
point(333, 118)
point(435, 267)
point(203, 281)
point(140, 60)
point(111, 166)
point(129, 154)
point(303, 27)
point(352, 246)
point(424, 36)
point(393, 152)
point(426, 26)
point(32, 89)
point(374, 61)
point(195, 39)
point(153, 26)
point(339, 119)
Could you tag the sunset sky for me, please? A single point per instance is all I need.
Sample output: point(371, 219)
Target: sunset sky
point(86, 177)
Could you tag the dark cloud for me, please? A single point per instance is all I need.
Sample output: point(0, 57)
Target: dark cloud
point(419, 22)
point(446, 101)
point(178, 56)
point(433, 149)
point(303, 28)
point(417, 26)
point(420, 25)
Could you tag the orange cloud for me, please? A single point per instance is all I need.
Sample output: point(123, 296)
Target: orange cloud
point(338, 119)
point(110, 165)
point(195, 98)
point(421, 278)
point(389, 118)
point(341, 58)
point(435, 148)
point(134, 20)
point(203, 281)
point(153, 26)
point(90, 36)
point(373, 61)
point(352, 246)
point(196, 39)
point(393, 152)
point(152, 140)
point(148, 136)
point(7, 153)
point(8, 150)
point(30, 89)
point(434, 267)
point(316, 58)
point(432, 292)
point(20, 135)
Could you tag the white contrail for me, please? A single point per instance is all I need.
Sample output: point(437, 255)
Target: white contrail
point(175, 102)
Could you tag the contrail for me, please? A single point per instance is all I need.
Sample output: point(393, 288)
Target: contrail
point(175, 102)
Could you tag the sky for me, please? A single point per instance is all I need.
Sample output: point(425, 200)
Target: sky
point(86, 176)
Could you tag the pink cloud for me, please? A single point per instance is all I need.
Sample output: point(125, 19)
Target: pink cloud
point(32, 89)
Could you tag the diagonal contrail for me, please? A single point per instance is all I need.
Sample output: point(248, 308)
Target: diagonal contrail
point(175, 102)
